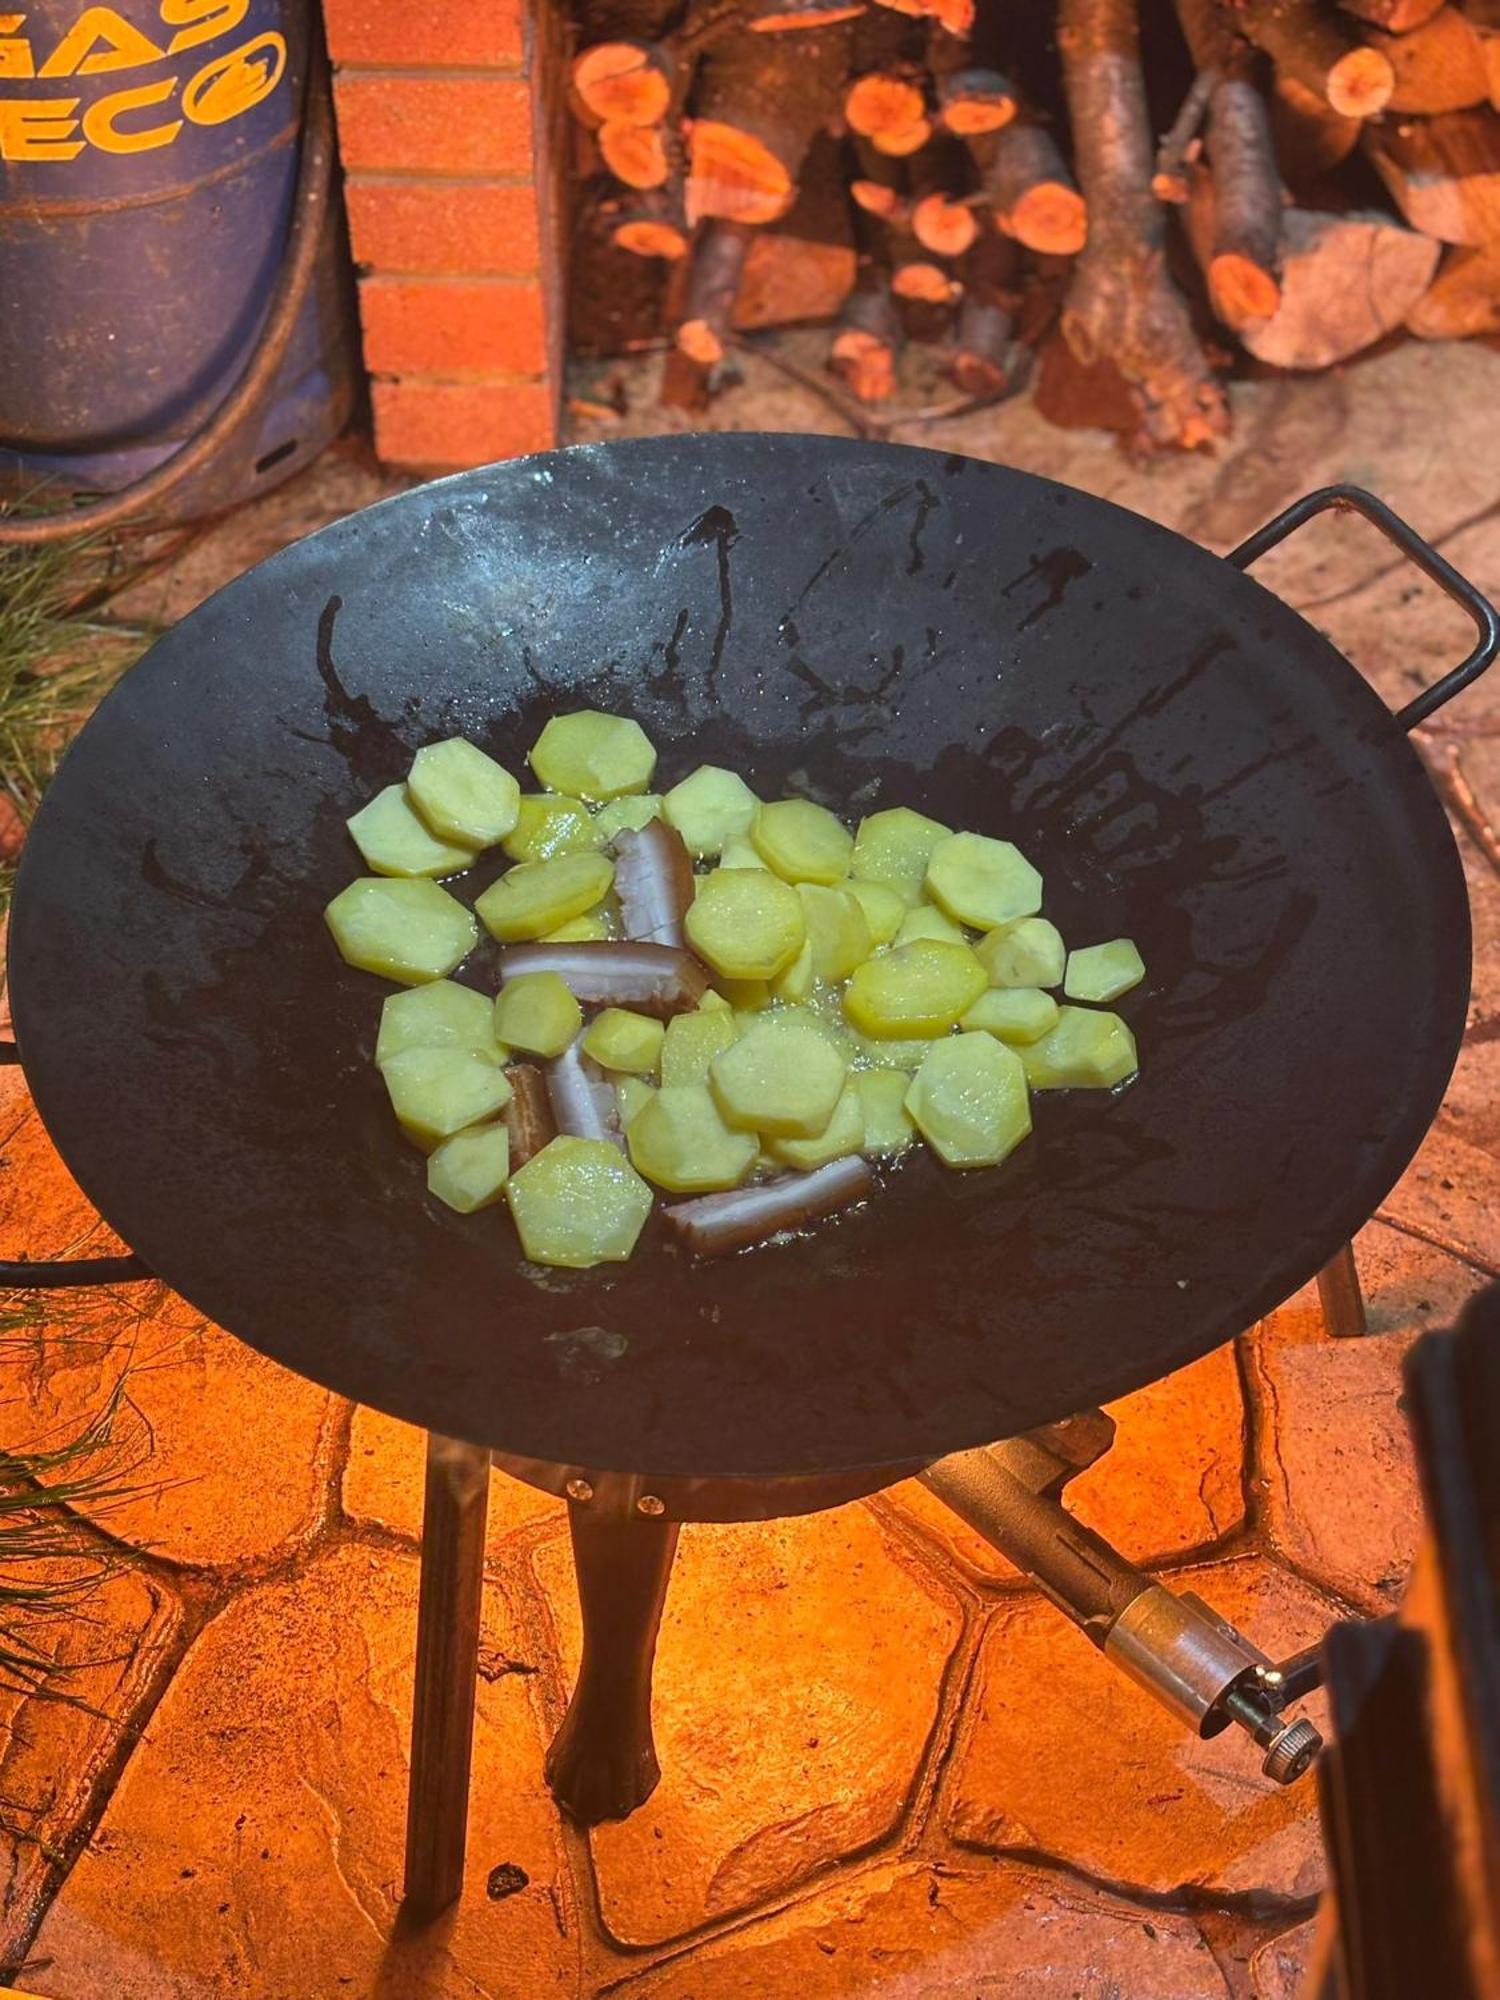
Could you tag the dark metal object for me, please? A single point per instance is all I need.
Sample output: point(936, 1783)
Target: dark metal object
point(442, 1730)
point(1340, 1296)
point(1354, 499)
point(1186, 759)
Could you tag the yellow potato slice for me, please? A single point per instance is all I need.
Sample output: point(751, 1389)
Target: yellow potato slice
point(577, 1203)
point(802, 842)
point(901, 1052)
point(394, 840)
point(590, 755)
point(1103, 971)
point(745, 996)
point(843, 1134)
point(892, 848)
point(536, 1012)
point(546, 827)
point(710, 808)
point(1085, 1051)
point(913, 989)
point(632, 1094)
point(535, 897)
point(796, 983)
point(692, 1041)
point(595, 926)
point(621, 1039)
point(713, 1000)
point(440, 1015)
point(1013, 1013)
point(888, 1123)
point(981, 881)
point(679, 1141)
point(782, 1078)
point(462, 794)
point(745, 923)
point(824, 1010)
point(436, 1092)
point(970, 1102)
point(740, 853)
point(469, 1170)
point(1029, 952)
point(633, 812)
point(927, 921)
point(884, 908)
point(837, 930)
point(409, 931)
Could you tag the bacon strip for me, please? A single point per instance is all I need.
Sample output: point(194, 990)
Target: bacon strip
point(653, 977)
point(654, 882)
point(582, 1097)
point(528, 1116)
point(715, 1224)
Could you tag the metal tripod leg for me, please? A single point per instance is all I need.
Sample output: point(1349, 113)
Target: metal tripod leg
point(1339, 1295)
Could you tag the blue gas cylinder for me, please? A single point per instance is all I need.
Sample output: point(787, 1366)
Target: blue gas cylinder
point(149, 158)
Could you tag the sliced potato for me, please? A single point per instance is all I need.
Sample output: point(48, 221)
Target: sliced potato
point(713, 999)
point(824, 1011)
point(709, 808)
point(436, 1092)
point(632, 1094)
point(630, 811)
point(745, 996)
point(679, 1141)
point(621, 1039)
point(577, 1203)
point(546, 827)
point(796, 983)
point(843, 1134)
point(395, 841)
point(1013, 1013)
point(439, 1015)
point(913, 989)
point(837, 930)
point(536, 1012)
point(1103, 971)
point(970, 1102)
point(1028, 952)
point(692, 1041)
point(535, 897)
point(782, 1078)
point(1085, 1051)
point(904, 1052)
point(740, 853)
point(590, 755)
point(409, 931)
point(884, 908)
point(595, 926)
point(462, 794)
point(802, 842)
point(892, 848)
point(926, 920)
point(981, 881)
point(745, 923)
point(888, 1123)
point(470, 1170)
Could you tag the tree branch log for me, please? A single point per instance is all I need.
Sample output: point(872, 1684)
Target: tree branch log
point(1320, 52)
point(1243, 265)
point(1027, 183)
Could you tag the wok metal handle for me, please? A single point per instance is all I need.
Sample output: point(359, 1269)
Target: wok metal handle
point(59, 1274)
point(1444, 575)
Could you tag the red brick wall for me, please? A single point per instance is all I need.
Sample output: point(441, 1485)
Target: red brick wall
point(446, 119)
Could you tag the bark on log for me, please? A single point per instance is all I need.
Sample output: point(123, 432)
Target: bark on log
point(1310, 138)
point(649, 223)
point(986, 319)
point(975, 100)
point(942, 216)
point(1320, 51)
point(1438, 67)
point(635, 154)
point(759, 101)
point(1027, 183)
point(1397, 17)
point(1122, 304)
point(627, 83)
point(1243, 260)
point(1484, 17)
point(869, 336)
point(1443, 173)
point(787, 17)
point(1463, 299)
point(719, 255)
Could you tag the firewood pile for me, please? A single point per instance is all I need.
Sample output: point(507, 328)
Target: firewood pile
point(1142, 190)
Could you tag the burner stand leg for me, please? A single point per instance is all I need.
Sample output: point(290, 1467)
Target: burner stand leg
point(602, 1763)
point(1339, 1295)
point(442, 1732)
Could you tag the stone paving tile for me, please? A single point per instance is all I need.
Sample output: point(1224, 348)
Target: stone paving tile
point(1451, 1194)
point(1278, 1970)
point(1060, 1754)
point(54, 1751)
point(43, 1211)
point(919, 1931)
point(383, 1478)
point(1171, 1481)
point(1409, 1283)
point(1336, 1468)
point(253, 1847)
point(797, 1684)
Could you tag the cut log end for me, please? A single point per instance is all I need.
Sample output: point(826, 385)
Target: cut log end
point(886, 204)
point(1049, 217)
point(1241, 290)
point(1170, 187)
point(647, 238)
point(734, 176)
point(900, 142)
point(787, 19)
point(627, 83)
point(944, 226)
point(865, 363)
point(882, 103)
point(1360, 83)
point(634, 154)
point(700, 343)
point(976, 100)
point(924, 283)
point(957, 16)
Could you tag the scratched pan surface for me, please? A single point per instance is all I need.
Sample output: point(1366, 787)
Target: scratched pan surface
point(1187, 761)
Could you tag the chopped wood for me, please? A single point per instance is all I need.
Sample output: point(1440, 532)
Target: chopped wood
point(986, 319)
point(1438, 67)
point(1179, 145)
point(886, 204)
point(1027, 183)
point(1484, 18)
point(1122, 303)
point(785, 19)
point(975, 100)
point(1309, 136)
point(869, 336)
point(789, 277)
point(649, 222)
point(713, 284)
point(635, 154)
point(883, 101)
point(924, 282)
point(1347, 281)
point(1320, 51)
point(1443, 173)
point(628, 83)
point(942, 216)
point(1397, 17)
point(1241, 257)
point(1463, 299)
point(900, 142)
point(957, 16)
point(760, 100)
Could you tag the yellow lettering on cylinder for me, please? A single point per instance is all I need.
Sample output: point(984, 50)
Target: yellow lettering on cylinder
point(200, 20)
point(39, 128)
point(99, 40)
point(232, 83)
point(99, 126)
point(15, 51)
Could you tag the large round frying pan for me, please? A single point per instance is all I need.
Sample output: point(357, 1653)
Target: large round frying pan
point(1187, 761)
